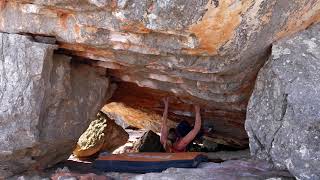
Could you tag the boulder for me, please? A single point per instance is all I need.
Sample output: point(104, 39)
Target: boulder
point(149, 142)
point(201, 51)
point(46, 102)
point(103, 134)
point(210, 145)
point(127, 116)
point(283, 116)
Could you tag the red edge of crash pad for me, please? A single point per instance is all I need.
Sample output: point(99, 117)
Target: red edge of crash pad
point(150, 157)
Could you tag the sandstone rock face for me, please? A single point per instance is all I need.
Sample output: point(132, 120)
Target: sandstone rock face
point(135, 117)
point(102, 134)
point(204, 51)
point(283, 118)
point(46, 102)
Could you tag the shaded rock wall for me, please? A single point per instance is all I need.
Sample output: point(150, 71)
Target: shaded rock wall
point(203, 51)
point(283, 117)
point(46, 102)
point(228, 130)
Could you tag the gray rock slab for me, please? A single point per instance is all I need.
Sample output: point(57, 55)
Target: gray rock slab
point(231, 170)
point(46, 102)
point(283, 116)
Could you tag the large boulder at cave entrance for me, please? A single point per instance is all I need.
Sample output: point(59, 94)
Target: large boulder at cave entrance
point(103, 134)
point(46, 103)
point(283, 117)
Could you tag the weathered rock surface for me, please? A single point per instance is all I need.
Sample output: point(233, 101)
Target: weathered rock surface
point(135, 117)
point(46, 102)
point(129, 147)
point(204, 51)
point(66, 174)
point(233, 170)
point(283, 120)
point(103, 134)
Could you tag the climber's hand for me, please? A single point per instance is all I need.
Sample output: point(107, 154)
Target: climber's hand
point(197, 108)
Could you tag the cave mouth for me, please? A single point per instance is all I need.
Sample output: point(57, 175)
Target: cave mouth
point(221, 122)
point(224, 130)
point(136, 110)
point(141, 123)
point(142, 108)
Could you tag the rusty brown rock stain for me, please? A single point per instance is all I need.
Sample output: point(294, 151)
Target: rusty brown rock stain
point(77, 29)
point(2, 4)
point(63, 19)
point(218, 25)
point(62, 14)
point(266, 18)
point(136, 27)
point(302, 19)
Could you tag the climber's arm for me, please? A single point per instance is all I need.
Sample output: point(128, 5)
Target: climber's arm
point(193, 133)
point(164, 126)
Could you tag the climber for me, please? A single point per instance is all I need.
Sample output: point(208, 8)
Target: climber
point(177, 139)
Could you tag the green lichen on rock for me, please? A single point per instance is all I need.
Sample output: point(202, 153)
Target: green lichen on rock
point(94, 135)
point(102, 134)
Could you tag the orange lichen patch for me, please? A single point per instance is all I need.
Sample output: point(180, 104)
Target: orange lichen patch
point(135, 117)
point(63, 19)
point(87, 49)
point(77, 29)
point(266, 18)
point(136, 27)
point(302, 19)
point(90, 29)
point(62, 14)
point(218, 25)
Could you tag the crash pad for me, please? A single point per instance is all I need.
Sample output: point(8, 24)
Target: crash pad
point(148, 162)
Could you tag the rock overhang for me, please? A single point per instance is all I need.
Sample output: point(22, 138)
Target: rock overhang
point(207, 52)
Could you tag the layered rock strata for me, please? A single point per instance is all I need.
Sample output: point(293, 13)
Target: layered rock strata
point(46, 103)
point(283, 117)
point(202, 51)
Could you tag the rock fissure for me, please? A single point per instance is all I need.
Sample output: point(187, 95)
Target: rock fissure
point(283, 113)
